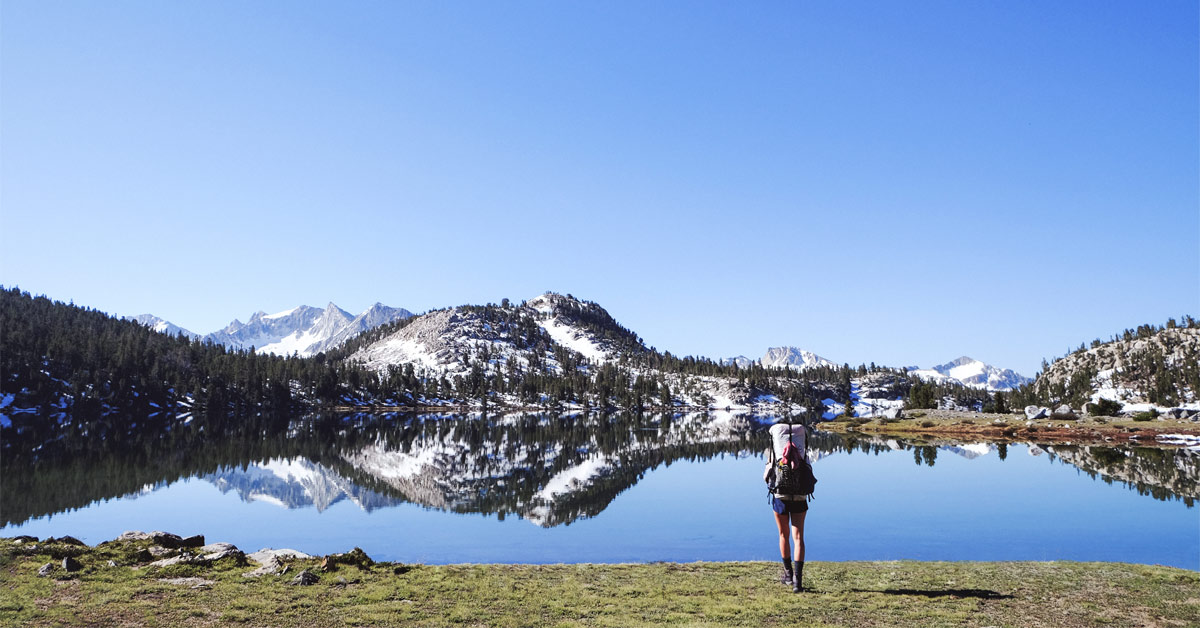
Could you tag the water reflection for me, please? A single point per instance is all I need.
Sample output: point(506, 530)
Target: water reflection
point(550, 470)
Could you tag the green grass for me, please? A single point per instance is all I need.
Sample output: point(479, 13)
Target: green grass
point(691, 594)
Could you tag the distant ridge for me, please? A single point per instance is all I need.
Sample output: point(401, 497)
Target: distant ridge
point(303, 330)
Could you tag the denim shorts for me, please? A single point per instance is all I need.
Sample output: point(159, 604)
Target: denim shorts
point(789, 507)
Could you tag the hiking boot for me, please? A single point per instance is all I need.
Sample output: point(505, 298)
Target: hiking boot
point(797, 577)
point(785, 577)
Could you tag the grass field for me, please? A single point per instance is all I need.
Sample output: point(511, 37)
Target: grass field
point(906, 593)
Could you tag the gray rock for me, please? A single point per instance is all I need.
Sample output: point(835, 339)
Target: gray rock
point(133, 535)
point(182, 559)
point(159, 551)
point(263, 554)
point(891, 413)
point(193, 541)
point(167, 540)
point(269, 568)
point(67, 540)
point(45, 570)
point(1034, 412)
point(305, 578)
point(229, 553)
point(25, 538)
point(112, 563)
point(217, 547)
point(1064, 413)
point(70, 564)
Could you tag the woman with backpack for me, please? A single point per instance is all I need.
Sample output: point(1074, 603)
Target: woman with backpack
point(790, 483)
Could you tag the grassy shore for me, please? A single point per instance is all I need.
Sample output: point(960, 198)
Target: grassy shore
point(905, 593)
point(1015, 427)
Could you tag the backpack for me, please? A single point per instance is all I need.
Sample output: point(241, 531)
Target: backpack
point(793, 474)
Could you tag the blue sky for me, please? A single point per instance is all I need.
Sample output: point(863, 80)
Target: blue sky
point(890, 181)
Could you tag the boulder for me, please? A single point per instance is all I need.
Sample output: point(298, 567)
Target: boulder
point(1175, 413)
point(159, 551)
point(305, 578)
point(891, 413)
point(196, 540)
point(270, 567)
point(1034, 412)
point(70, 564)
point(217, 547)
point(266, 553)
point(1064, 413)
point(24, 538)
point(166, 539)
point(234, 553)
point(182, 559)
point(67, 540)
point(45, 570)
point(133, 535)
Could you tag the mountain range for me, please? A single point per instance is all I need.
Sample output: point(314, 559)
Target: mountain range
point(302, 330)
point(442, 337)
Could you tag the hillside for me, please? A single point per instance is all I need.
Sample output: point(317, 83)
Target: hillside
point(553, 352)
point(1148, 367)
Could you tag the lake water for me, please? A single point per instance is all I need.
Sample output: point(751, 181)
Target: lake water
point(537, 489)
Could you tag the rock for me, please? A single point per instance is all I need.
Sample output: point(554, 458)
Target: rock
point(1064, 413)
point(305, 578)
point(193, 541)
point(159, 551)
point(263, 554)
point(268, 568)
point(25, 538)
point(166, 539)
point(143, 556)
point(1175, 413)
point(1033, 412)
point(192, 583)
point(234, 553)
point(112, 563)
point(45, 570)
point(217, 547)
point(67, 540)
point(70, 564)
point(133, 535)
point(891, 413)
point(182, 559)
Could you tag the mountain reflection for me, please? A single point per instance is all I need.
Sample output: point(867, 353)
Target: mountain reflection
point(550, 470)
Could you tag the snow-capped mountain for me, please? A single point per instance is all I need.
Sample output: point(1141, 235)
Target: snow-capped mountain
point(302, 330)
point(782, 357)
point(973, 373)
point(295, 483)
point(161, 326)
point(528, 335)
point(793, 358)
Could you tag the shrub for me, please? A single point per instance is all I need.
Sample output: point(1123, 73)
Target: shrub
point(1145, 416)
point(927, 424)
point(1105, 407)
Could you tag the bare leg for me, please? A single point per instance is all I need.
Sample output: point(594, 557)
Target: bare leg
point(797, 535)
point(781, 522)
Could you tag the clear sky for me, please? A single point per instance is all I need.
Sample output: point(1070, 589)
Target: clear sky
point(898, 182)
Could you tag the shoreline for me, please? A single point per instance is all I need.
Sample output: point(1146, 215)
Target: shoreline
point(114, 583)
point(1015, 428)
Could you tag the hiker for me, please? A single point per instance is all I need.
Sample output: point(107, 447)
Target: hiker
point(790, 490)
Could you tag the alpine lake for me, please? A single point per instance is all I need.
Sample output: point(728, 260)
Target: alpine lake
point(542, 488)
